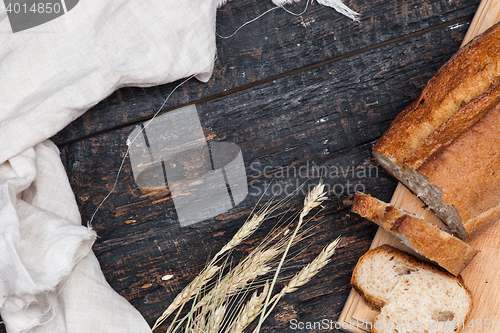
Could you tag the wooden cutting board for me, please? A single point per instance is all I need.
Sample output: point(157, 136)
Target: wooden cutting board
point(481, 276)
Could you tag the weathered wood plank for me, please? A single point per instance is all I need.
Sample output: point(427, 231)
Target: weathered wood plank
point(330, 115)
point(305, 117)
point(276, 44)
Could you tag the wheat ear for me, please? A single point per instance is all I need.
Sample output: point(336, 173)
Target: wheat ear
point(255, 265)
point(306, 273)
point(187, 293)
point(250, 311)
point(313, 199)
point(246, 230)
point(313, 268)
point(215, 319)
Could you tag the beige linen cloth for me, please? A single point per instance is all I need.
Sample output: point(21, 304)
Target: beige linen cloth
point(50, 280)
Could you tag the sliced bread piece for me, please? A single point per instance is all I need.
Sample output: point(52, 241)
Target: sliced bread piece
point(412, 296)
point(421, 236)
point(444, 146)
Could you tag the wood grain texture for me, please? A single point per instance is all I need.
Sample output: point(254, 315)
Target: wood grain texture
point(480, 276)
point(291, 122)
point(274, 46)
point(305, 117)
point(485, 17)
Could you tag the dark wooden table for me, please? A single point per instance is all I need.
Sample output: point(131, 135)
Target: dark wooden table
point(291, 92)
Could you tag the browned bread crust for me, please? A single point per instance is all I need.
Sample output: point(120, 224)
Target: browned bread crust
point(424, 238)
point(375, 302)
point(459, 123)
point(467, 75)
point(407, 264)
point(468, 173)
point(445, 147)
point(411, 262)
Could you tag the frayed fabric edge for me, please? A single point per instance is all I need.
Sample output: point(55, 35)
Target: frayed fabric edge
point(51, 293)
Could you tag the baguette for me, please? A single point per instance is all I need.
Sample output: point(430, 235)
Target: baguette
point(421, 236)
point(412, 296)
point(445, 147)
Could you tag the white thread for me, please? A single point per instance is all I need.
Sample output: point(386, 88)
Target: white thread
point(258, 17)
point(89, 224)
point(292, 13)
point(248, 22)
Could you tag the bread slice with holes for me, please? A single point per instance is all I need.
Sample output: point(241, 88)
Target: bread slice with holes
point(421, 236)
point(413, 296)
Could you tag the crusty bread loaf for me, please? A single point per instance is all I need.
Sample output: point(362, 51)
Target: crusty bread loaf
point(445, 147)
point(421, 236)
point(412, 296)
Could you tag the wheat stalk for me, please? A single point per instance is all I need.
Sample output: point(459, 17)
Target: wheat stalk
point(257, 263)
point(313, 199)
point(187, 293)
point(305, 274)
point(245, 231)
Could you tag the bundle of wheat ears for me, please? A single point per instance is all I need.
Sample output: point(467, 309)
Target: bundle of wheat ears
point(221, 300)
